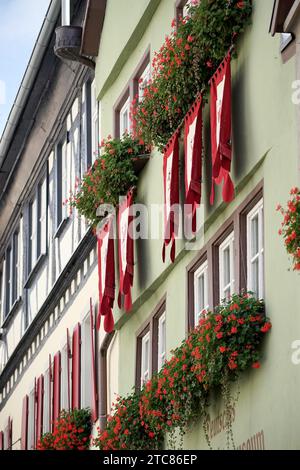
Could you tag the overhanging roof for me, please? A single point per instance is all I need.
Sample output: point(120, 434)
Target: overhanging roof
point(92, 27)
point(281, 9)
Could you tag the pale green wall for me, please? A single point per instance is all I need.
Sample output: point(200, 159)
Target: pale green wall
point(264, 119)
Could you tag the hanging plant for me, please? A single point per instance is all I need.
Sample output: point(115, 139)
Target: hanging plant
point(71, 432)
point(225, 343)
point(290, 227)
point(185, 63)
point(110, 177)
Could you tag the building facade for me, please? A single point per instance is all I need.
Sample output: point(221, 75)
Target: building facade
point(48, 256)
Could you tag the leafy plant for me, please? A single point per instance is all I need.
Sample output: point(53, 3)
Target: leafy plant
point(110, 177)
point(71, 432)
point(290, 227)
point(184, 65)
point(225, 343)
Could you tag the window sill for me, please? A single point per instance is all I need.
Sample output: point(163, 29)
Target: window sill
point(61, 227)
point(12, 312)
point(36, 268)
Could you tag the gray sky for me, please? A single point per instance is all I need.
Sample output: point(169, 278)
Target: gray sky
point(21, 21)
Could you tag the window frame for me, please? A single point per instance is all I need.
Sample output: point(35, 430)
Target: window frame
point(202, 270)
point(11, 275)
point(150, 329)
point(228, 243)
point(257, 210)
point(86, 378)
point(40, 246)
point(236, 222)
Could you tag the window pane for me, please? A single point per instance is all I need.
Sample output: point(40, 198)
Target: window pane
point(8, 281)
point(255, 277)
point(161, 341)
point(226, 273)
point(15, 267)
point(59, 185)
point(254, 236)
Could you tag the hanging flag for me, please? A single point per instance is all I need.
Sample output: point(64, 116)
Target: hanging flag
point(193, 159)
point(221, 130)
point(106, 274)
point(126, 251)
point(171, 192)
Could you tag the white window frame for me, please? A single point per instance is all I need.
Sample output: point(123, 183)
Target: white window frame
point(125, 109)
point(86, 369)
point(65, 362)
point(31, 421)
point(228, 243)
point(143, 81)
point(185, 11)
point(38, 215)
point(145, 365)
point(11, 274)
point(256, 212)
point(201, 272)
point(46, 404)
point(161, 346)
point(94, 122)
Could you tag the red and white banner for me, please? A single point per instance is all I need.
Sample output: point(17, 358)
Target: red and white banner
point(126, 251)
point(106, 274)
point(193, 158)
point(171, 193)
point(221, 130)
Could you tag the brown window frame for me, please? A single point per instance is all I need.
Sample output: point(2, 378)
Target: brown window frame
point(149, 326)
point(179, 6)
point(236, 223)
point(130, 90)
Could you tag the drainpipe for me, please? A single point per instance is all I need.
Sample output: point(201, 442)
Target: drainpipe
point(103, 380)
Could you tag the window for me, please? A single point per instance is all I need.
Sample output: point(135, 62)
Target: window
point(151, 346)
point(95, 122)
point(12, 271)
point(285, 40)
point(200, 291)
point(161, 341)
point(255, 250)
point(145, 359)
point(31, 421)
point(47, 402)
point(65, 178)
point(143, 81)
point(37, 225)
point(86, 348)
point(124, 118)
point(182, 8)
point(226, 267)
point(65, 379)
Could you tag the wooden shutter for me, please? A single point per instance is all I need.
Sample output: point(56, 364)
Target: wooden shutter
point(9, 434)
point(76, 366)
point(68, 369)
point(24, 432)
point(50, 392)
point(1, 440)
point(93, 368)
point(56, 385)
point(39, 407)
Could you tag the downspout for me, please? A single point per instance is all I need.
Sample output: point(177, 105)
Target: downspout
point(103, 380)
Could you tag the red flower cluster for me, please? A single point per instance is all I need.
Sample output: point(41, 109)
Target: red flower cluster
point(225, 343)
point(290, 226)
point(71, 432)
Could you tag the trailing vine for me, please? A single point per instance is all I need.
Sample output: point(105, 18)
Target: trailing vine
point(225, 343)
point(185, 63)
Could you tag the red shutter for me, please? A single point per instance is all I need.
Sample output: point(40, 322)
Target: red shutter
point(76, 367)
point(94, 380)
point(1, 440)
point(50, 393)
point(39, 407)
point(56, 386)
point(9, 434)
point(24, 432)
point(68, 368)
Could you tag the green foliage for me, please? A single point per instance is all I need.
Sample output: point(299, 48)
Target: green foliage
point(184, 65)
point(291, 227)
